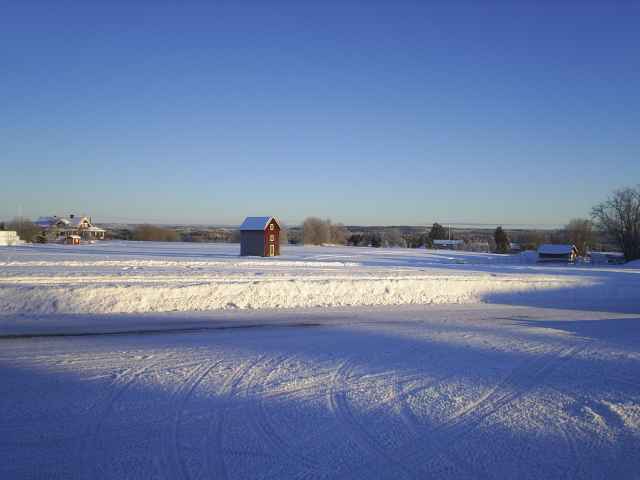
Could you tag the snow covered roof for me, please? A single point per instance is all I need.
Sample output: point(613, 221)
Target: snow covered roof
point(257, 223)
point(447, 242)
point(46, 222)
point(77, 221)
point(555, 249)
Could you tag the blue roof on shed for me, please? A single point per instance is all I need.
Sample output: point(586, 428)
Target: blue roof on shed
point(257, 223)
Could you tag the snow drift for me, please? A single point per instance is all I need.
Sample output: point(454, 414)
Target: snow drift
point(135, 278)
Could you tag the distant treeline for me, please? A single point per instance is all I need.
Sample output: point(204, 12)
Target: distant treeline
point(316, 231)
point(614, 225)
point(580, 232)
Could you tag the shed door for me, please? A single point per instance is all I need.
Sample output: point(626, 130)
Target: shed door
point(272, 250)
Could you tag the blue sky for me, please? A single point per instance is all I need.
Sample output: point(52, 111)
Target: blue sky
point(364, 112)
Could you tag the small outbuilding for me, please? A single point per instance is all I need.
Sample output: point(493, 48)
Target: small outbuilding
point(9, 238)
point(549, 252)
point(448, 244)
point(607, 258)
point(73, 240)
point(260, 236)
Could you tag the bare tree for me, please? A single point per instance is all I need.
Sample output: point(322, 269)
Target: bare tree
point(315, 231)
point(25, 228)
point(284, 235)
point(579, 232)
point(393, 238)
point(155, 233)
point(619, 218)
point(338, 233)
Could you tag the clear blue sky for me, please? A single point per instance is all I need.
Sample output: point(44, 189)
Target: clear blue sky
point(365, 112)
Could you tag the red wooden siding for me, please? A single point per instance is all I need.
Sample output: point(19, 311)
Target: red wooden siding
point(276, 238)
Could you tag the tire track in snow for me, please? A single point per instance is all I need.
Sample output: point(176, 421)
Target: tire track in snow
point(130, 375)
point(260, 422)
point(515, 385)
point(366, 442)
point(412, 423)
point(574, 463)
point(175, 466)
point(215, 465)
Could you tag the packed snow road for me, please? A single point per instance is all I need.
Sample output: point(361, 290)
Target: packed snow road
point(393, 392)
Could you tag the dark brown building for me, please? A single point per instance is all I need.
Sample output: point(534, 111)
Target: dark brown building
point(260, 236)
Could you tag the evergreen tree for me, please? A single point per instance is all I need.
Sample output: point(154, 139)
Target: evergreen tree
point(438, 232)
point(502, 240)
point(375, 240)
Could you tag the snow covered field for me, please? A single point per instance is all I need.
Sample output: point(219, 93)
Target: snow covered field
point(127, 277)
point(141, 360)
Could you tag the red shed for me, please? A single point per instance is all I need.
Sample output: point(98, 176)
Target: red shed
point(260, 236)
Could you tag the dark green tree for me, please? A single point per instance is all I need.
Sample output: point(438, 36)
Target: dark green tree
point(502, 240)
point(375, 240)
point(438, 232)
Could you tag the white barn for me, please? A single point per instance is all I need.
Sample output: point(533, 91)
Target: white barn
point(9, 238)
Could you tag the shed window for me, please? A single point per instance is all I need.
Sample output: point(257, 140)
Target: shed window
point(272, 237)
point(271, 226)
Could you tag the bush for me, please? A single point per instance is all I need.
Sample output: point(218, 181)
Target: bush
point(284, 236)
point(315, 231)
point(25, 228)
point(356, 239)
point(393, 238)
point(148, 233)
point(318, 232)
point(338, 233)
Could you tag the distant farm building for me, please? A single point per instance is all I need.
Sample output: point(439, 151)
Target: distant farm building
point(73, 240)
point(514, 247)
point(9, 238)
point(448, 244)
point(606, 258)
point(260, 236)
point(557, 253)
point(61, 229)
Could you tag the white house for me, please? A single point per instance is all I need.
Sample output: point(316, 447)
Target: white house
point(64, 228)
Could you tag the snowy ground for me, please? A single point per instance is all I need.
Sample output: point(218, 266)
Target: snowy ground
point(141, 277)
point(392, 392)
point(126, 360)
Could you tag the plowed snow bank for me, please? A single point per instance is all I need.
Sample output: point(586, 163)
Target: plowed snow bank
point(268, 293)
